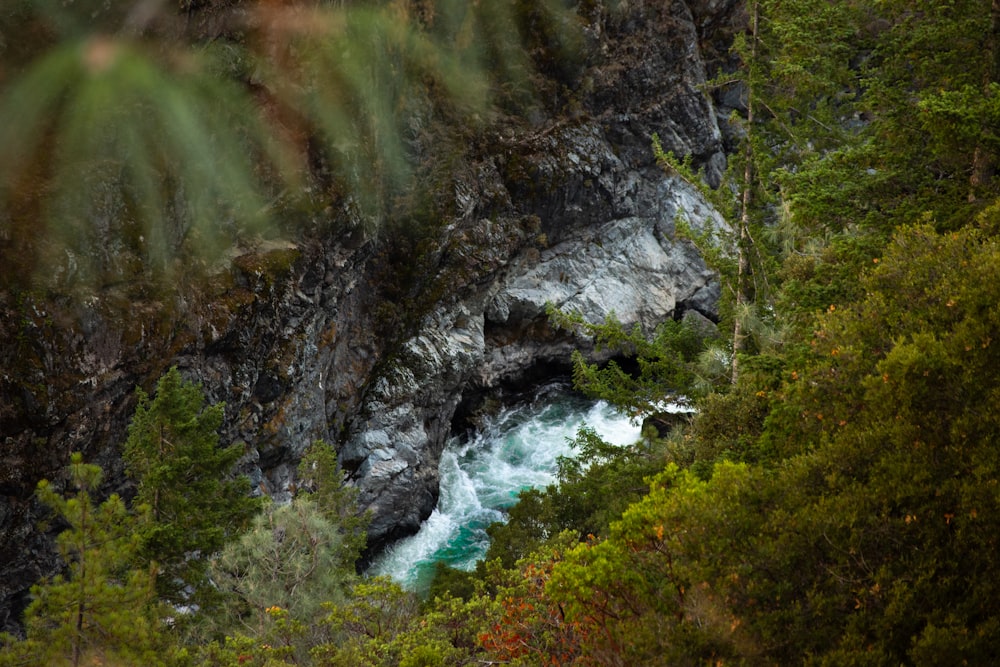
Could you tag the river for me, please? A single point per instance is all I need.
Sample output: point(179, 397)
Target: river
point(482, 474)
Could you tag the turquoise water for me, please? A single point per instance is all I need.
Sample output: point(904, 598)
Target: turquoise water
point(481, 476)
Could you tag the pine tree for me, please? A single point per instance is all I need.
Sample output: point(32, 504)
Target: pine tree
point(295, 560)
point(139, 133)
point(185, 478)
point(102, 607)
point(322, 480)
point(290, 561)
point(934, 90)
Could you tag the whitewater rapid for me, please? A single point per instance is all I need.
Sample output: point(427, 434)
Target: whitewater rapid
point(481, 476)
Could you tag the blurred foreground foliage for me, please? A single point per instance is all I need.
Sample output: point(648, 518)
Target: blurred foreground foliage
point(145, 138)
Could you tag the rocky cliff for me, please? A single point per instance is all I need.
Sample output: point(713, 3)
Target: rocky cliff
point(302, 339)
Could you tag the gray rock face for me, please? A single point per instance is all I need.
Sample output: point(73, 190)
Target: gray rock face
point(396, 443)
point(628, 268)
point(631, 268)
point(607, 214)
point(566, 207)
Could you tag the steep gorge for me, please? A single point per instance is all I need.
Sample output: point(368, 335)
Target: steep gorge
point(325, 336)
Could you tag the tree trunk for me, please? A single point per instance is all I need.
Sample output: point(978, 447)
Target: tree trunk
point(983, 162)
point(742, 247)
point(81, 600)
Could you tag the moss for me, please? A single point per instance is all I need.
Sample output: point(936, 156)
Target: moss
point(237, 298)
point(268, 266)
point(328, 336)
point(274, 425)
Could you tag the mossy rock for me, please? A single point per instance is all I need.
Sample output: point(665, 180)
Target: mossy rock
point(268, 264)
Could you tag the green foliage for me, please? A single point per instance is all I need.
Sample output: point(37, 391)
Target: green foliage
point(870, 542)
point(277, 645)
point(291, 559)
point(728, 427)
point(903, 444)
point(452, 582)
point(601, 481)
point(684, 169)
point(523, 626)
point(634, 594)
point(102, 608)
point(321, 481)
point(372, 626)
point(915, 139)
point(185, 478)
point(667, 368)
point(164, 139)
point(928, 62)
point(295, 560)
point(593, 489)
point(139, 139)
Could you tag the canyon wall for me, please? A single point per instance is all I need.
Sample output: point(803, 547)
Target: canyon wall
point(302, 339)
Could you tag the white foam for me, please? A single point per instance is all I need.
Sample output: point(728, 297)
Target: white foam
point(480, 476)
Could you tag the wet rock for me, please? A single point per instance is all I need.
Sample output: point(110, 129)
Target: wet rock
point(631, 268)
